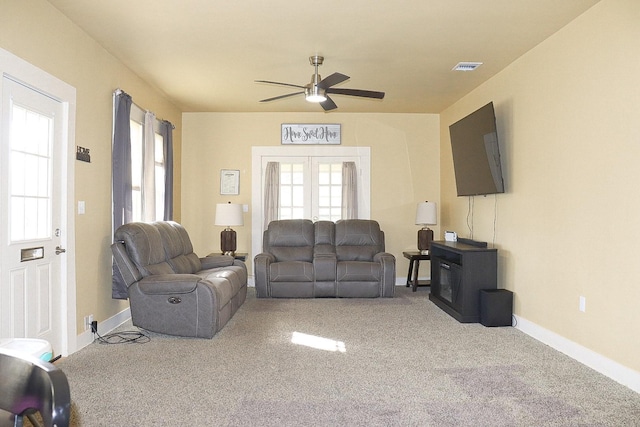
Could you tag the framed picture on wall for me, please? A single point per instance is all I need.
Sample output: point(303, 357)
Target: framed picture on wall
point(229, 181)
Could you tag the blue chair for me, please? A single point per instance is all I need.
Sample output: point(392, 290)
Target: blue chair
point(29, 385)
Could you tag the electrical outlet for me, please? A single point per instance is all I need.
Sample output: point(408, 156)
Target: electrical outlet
point(583, 304)
point(88, 320)
point(94, 326)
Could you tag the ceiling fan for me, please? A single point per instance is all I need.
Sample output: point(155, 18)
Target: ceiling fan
point(318, 89)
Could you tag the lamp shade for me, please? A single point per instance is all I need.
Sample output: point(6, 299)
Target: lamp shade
point(228, 214)
point(426, 213)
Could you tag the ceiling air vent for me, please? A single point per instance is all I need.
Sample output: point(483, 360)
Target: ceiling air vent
point(466, 66)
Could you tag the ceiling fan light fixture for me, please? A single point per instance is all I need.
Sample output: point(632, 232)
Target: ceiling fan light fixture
point(314, 94)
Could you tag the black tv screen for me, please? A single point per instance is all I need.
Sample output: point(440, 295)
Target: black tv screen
point(476, 153)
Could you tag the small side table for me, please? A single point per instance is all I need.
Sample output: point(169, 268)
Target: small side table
point(414, 258)
point(242, 256)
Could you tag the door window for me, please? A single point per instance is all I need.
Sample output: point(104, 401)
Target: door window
point(30, 161)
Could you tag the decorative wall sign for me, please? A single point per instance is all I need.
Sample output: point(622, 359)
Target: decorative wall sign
point(229, 181)
point(82, 154)
point(310, 134)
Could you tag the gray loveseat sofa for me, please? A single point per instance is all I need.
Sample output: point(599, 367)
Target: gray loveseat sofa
point(302, 259)
point(171, 289)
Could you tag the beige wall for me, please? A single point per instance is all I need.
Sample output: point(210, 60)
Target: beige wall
point(568, 115)
point(39, 34)
point(404, 168)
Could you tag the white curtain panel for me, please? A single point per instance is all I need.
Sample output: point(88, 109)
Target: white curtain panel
point(149, 178)
point(271, 193)
point(349, 190)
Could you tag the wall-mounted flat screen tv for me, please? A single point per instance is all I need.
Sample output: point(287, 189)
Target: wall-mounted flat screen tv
point(476, 153)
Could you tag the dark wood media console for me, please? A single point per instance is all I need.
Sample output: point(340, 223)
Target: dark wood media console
point(458, 272)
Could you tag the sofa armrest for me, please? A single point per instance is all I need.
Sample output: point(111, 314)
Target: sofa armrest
point(388, 279)
point(216, 261)
point(261, 264)
point(127, 268)
point(168, 284)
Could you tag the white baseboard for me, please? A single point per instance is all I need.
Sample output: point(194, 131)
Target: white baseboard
point(104, 327)
point(617, 372)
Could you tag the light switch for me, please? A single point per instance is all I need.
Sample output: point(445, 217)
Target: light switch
point(80, 207)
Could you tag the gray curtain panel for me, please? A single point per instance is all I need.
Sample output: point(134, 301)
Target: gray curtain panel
point(166, 130)
point(121, 179)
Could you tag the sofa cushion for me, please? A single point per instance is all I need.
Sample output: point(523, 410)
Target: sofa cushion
point(360, 271)
point(325, 233)
point(291, 271)
point(145, 247)
point(358, 240)
point(290, 240)
point(178, 248)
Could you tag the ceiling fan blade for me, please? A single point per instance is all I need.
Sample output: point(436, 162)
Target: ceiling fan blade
point(357, 92)
point(280, 97)
point(328, 105)
point(331, 80)
point(278, 83)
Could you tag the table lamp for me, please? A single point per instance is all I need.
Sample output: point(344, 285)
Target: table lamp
point(228, 214)
point(426, 214)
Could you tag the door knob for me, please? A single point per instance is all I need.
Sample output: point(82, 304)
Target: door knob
point(59, 250)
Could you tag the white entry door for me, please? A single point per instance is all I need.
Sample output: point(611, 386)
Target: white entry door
point(30, 212)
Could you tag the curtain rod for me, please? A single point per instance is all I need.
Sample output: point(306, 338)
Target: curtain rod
point(119, 91)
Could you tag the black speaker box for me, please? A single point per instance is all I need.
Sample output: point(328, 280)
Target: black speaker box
point(496, 307)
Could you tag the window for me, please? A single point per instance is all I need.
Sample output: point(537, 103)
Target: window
point(147, 172)
point(142, 171)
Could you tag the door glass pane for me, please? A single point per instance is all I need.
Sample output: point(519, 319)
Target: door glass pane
point(291, 190)
point(30, 163)
point(297, 174)
point(329, 191)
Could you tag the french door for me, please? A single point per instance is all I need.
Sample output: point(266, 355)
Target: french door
point(310, 183)
point(310, 187)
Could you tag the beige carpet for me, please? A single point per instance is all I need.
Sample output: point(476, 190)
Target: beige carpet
point(383, 362)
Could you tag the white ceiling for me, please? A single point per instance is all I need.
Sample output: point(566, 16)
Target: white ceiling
point(206, 54)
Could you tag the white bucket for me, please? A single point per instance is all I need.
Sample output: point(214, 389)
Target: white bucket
point(29, 346)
